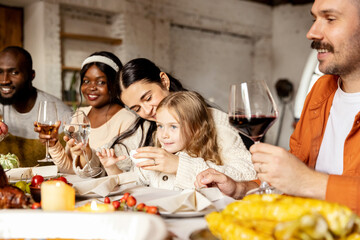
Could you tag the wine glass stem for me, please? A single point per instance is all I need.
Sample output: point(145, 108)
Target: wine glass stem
point(47, 150)
point(263, 184)
point(86, 158)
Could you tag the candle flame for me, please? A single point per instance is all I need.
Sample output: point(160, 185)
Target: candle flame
point(93, 205)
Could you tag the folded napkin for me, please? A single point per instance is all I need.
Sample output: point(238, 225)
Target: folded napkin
point(103, 186)
point(187, 200)
point(17, 174)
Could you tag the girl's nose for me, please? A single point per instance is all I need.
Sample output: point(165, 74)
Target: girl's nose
point(165, 134)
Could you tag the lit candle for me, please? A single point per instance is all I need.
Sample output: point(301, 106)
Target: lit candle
point(96, 207)
point(57, 196)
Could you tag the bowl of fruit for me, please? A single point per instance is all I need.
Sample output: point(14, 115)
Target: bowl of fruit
point(35, 189)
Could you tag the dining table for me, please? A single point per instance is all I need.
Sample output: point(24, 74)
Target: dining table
point(179, 225)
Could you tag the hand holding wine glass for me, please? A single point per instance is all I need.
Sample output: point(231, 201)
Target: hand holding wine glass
point(47, 117)
point(252, 111)
point(77, 127)
point(3, 127)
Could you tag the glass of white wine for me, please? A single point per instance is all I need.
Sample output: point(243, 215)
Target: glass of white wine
point(47, 117)
point(77, 127)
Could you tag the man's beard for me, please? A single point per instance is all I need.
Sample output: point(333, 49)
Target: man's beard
point(6, 101)
point(345, 61)
point(332, 69)
point(19, 96)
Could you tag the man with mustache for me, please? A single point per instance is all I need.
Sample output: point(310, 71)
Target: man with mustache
point(324, 157)
point(20, 101)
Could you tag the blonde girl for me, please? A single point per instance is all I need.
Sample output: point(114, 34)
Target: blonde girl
point(185, 127)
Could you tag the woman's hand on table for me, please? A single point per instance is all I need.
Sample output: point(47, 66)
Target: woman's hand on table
point(161, 160)
point(52, 138)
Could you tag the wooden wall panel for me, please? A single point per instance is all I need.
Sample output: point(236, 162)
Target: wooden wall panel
point(11, 26)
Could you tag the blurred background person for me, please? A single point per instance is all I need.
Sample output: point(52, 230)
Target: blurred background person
point(20, 100)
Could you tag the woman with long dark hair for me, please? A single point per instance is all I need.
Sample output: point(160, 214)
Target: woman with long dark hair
point(143, 86)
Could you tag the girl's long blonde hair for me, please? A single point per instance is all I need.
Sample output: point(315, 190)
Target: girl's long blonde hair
point(196, 122)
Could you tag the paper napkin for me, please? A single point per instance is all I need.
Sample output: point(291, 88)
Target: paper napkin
point(103, 186)
point(187, 200)
point(17, 174)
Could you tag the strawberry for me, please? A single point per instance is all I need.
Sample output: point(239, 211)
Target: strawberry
point(152, 210)
point(35, 205)
point(140, 207)
point(122, 200)
point(131, 201)
point(107, 200)
point(116, 204)
point(126, 195)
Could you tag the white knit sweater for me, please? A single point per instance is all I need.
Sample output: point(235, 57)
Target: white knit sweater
point(236, 160)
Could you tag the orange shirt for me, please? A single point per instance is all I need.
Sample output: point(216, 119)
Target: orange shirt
point(306, 140)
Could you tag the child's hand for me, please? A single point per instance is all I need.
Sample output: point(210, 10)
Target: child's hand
point(108, 158)
point(162, 160)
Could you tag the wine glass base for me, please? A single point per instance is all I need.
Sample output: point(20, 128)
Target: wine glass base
point(93, 172)
point(266, 190)
point(45, 160)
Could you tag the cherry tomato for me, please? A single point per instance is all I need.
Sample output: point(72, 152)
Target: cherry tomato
point(107, 200)
point(131, 201)
point(116, 204)
point(36, 180)
point(35, 205)
point(126, 195)
point(61, 178)
point(140, 207)
point(152, 210)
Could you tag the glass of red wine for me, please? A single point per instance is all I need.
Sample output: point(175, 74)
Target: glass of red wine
point(47, 117)
point(252, 111)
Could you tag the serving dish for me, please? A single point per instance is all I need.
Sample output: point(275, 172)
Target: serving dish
point(38, 224)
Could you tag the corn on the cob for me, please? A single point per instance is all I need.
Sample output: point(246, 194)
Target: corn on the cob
point(285, 217)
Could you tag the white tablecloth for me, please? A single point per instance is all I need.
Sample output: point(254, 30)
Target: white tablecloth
point(181, 227)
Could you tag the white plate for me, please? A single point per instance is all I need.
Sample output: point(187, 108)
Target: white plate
point(187, 214)
point(25, 174)
point(38, 224)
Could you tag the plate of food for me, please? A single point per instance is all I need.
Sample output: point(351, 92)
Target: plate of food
point(25, 174)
